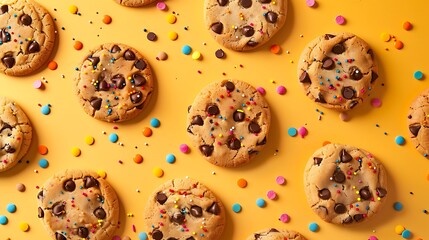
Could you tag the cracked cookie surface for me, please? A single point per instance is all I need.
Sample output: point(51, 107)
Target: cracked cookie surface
point(114, 82)
point(344, 184)
point(337, 70)
point(418, 118)
point(15, 134)
point(275, 234)
point(184, 209)
point(27, 36)
point(229, 122)
point(77, 205)
point(134, 3)
point(244, 24)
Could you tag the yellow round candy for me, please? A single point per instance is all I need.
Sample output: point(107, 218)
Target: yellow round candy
point(171, 18)
point(102, 173)
point(89, 140)
point(75, 151)
point(196, 55)
point(24, 226)
point(158, 172)
point(385, 37)
point(399, 229)
point(173, 36)
point(73, 9)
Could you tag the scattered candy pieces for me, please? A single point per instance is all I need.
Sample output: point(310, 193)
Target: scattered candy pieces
point(138, 158)
point(11, 208)
point(158, 172)
point(400, 140)
point(220, 53)
point(418, 75)
point(142, 236)
point(385, 37)
point(3, 220)
point(310, 3)
point(407, 26)
point(399, 229)
point(242, 182)
point(406, 234)
point(280, 180)
point(344, 116)
point(52, 65)
point(20, 187)
point(161, 6)
point(89, 140)
point(340, 20)
point(184, 148)
point(236, 207)
point(186, 50)
point(281, 90)
point(75, 151)
point(162, 56)
point(292, 132)
point(284, 218)
point(260, 202)
point(271, 195)
point(73, 9)
point(170, 158)
point(171, 18)
point(302, 131)
point(78, 45)
point(173, 36)
point(314, 227)
point(372, 238)
point(398, 45)
point(113, 137)
point(24, 226)
point(376, 102)
point(38, 84)
point(102, 173)
point(196, 55)
point(46, 109)
point(397, 206)
point(275, 49)
point(151, 36)
point(154, 122)
point(43, 163)
point(107, 19)
point(261, 90)
point(147, 132)
point(43, 150)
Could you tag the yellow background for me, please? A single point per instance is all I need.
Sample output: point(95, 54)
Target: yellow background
point(178, 82)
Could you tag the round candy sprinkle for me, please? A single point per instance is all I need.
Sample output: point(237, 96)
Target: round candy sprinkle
point(38, 84)
point(173, 36)
point(142, 236)
point(260, 202)
point(275, 49)
point(281, 90)
point(376, 102)
point(220, 53)
point(397, 206)
point(52, 65)
point(20, 187)
point(154, 122)
point(340, 20)
point(46, 109)
point(400, 140)
point(271, 195)
point(116, 237)
point(344, 116)
point(113, 137)
point(24, 226)
point(138, 158)
point(385, 36)
point(43, 149)
point(398, 45)
point(302, 131)
point(147, 132)
point(11, 208)
point(78, 45)
point(242, 182)
point(171, 18)
point(102, 173)
point(157, 172)
point(314, 227)
point(280, 180)
point(107, 19)
point(284, 218)
point(186, 50)
point(399, 229)
point(3, 220)
point(261, 90)
point(184, 148)
point(75, 151)
point(407, 26)
point(236, 207)
point(89, 140)
point(418, 75)
point(161, 6)
point(292, 132)
point(162, 56)
point(406, 234)
point(372, 238)
point(310, 3)
point(73, 9)
point(151, 36)
point(196, 55)
point(170, 158)
point(43, 163)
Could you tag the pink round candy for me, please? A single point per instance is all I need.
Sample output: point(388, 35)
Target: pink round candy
point(184, 148)
point(281, 90)
point(261, 90)
point(310, 3)
point(161, 5)
point(271, 195)
point(372, 238)
point(284, 218)
point(116, 238)
point(280, 180)
point(376, 102)
point(340, 20)
point(302, 131)
point(37, 84)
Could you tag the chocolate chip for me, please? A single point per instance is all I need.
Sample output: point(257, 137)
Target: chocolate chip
point(58, 209)
point(271, 17)
point(414, 129)
point(273, 230)
point(339, 176)
point(222, 2)
point(251, 43)
point(115, 49)
point(329, 36)
point(252, 152)
point(172, 238)
point(214, 209)
point(119, 81)
point(229, 86)
point(365, 194)
point(263, 142)
point(40, 195)
point(59, 236)
point(136, 97)
point(151, 36)
point(103, 86)
point(89, 181)
point(196, 211)
point(26, 19)
point(358, 217)
point(157, 235)
point(217, 27)
point(139, 80)
point(348, 92)
point(4, 9)
point(9, 149)
point(140, 64)
point(328, 63)
point(374, 76)
point(317, 161)
point(246, 3)
point(94, 61)
point(257, 236)
point(4, 36)
point(212, 109)
point(254, 127)
point(96, 103)
point(5, 126)
point(40, 213)
point(355, 73)
point(8, 61)
point(371, 53)
point(321, 98)
point(248, 31)
point(207, 150)
point(197, 120)
point(100, 213)
point(345, 157)
point(348, 220)
point(190, 238)
point(264, 1)
point(129, 55)
point(69, 185)
point(304, 78)
point(353, 104)
point(220, 53)
point(338, 48)
point(33, 47)
point(381, 192)
point(234, 144)
point(238, 116)
point(339, 208)
point(161, 198)
point(82, 232)
point(178, 218)
point(324, 194)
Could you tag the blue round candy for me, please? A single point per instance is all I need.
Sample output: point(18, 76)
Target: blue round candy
point(186, 50)
point(418, 75)
point(400, 140)
point(292, 132)
point(236, 208)
point(397, 206)
point(313, 227)
point(11, 208)
point(113, 137)
point(406, 234)
point(170, 158)
point(154, 122)
point(43, 163)
point(260, 202)
point(3, 220)
point(46, 109)
point(142, 236)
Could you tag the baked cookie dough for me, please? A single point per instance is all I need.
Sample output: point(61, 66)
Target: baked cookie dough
point(337, 70)
point(229, 122)
point(15, 134)
point(77, 205)
point(114, 82)
point(418, 122)
point(275, 234)
point(344, 184)
point(184, 209)
point(27, 37)
point(243, 25)
point(134, 3)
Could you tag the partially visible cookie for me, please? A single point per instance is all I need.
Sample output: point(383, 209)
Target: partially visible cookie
point(134, 3)
point(229, 122)
point(114, 82)
point(15, 134)
point(344, 184)
point(244, 24)
point(337, 70)
point(184, 209)
point(77, 205)
point(275, 234)
point(418, 122)
point(27, 37)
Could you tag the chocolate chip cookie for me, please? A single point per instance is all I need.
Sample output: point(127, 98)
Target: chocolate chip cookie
point(275, 234)
point(27, 36)
point(344, 184)
point(337, 70)
point(229, 122)
point(134, 3)
point(184, 209)
point(243, 25)
point(418, 122)
point(77, 204)
point(15, 134)
point(114, 82)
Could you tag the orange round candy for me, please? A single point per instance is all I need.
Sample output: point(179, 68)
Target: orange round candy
point(275, 49)
point(52, 65)
point(407, 26)
point(107, 19)
point(78, 45)
point(138, 158)
point(326, 143)
point(242, 183)
point(147, 132)
point(43, 149)
point(398, 45)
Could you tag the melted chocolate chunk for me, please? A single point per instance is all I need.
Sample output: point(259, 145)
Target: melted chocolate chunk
point(339, 176)
point(254, 127)
point(234, 144)
point(96, 103)
point(140, 64)
point(212, 109)
point(197, 120)
point(358, 217)
point(338, 48)
point(222, 2)
point(238, 116)
point(355, 73)
point(371, 53)
point(348, 93)
point(321, 98)
point(246, 3)
point(374, 76)
point(103, 86)
point(381, 192)
point(317, 161)
point(119, 81)
point(59, 236)
point(94, 61)
point(264, 1)
point(329, 36)
point(139, 80)
point(304, 78)
point(178, 218)
point(100, 213)
point(229, 86)
point(82, 232)
point(353, 104)
point(207, 150)
point(340, 208)
point(136, 97)
point(26, 19)
point(8, 61)
point(348, 220)
point(40, 195)
point(5, 126)
point(190, 238)
point(115, 49)
point(58, 209)
point(157, 235)
point(414, 129)
point(328, 63)
point(271, 17)
point(69, 185)
point(9, 149)
point(214, 209)
point(129, 55)
point(196, 211)
point(217, 27)
point(248, 31)
point(345, 157)
point(365, 194)
point(33, 47)
point(4, 9)
point(161, 198)
point(251, 43)
point(273, 230)
point(40, 213)
point(172, 238)
point(90, 181)
point(4, 36)
point(324, 194)
point(263, 142)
